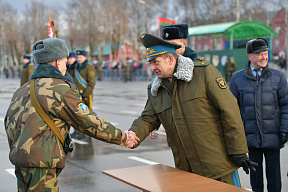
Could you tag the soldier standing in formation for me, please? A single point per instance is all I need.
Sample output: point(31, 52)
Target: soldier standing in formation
point(84, 79)
point(35, 150)
point(99, 70)
point(27, 70)
point(71, 65)
point(229, 69)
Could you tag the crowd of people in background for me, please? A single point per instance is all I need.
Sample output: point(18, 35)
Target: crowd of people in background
point(104, 70)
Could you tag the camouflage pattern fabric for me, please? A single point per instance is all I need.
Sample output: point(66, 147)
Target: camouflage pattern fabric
point(37, 179)
point(32, 143)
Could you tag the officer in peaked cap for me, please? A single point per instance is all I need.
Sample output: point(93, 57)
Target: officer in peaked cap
point(84, 79)
point(27, 69)
point(156, 46)
point(200, 97)
point(71, 65)
point(178, 34)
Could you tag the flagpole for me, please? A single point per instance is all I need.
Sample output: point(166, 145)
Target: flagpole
point(51, 33)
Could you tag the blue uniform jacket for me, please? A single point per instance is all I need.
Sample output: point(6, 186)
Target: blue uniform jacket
point(263, 105)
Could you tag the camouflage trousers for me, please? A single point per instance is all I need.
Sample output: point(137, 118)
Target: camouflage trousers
point(37, 179)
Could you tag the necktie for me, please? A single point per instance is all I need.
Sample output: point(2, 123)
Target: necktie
point(257, 74)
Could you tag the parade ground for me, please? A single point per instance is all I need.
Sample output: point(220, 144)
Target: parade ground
point(120, 103)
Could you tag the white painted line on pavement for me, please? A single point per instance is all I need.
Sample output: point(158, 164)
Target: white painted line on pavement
point(113, 123)
point(139, 104)
point(11, 171)
point(130, 112)
point(143, 160)
point(79, 141)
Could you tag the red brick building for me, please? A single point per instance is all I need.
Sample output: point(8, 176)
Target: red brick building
point(279, 26)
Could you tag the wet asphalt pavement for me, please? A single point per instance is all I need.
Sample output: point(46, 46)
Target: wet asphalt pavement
point(120, 103)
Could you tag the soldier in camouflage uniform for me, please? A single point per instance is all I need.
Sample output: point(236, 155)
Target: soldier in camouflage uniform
point(27, 70)
point(35, 150)
point(84, 79)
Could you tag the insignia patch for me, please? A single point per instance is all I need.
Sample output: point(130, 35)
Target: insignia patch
point(221, 82)
point(84, 108)
point(92, 73)
point(150, 51)
point(167, 34)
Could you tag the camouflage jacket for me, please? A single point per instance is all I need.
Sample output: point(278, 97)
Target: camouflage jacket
point(32, 143)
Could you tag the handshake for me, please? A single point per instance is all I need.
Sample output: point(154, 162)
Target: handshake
point(132, 139)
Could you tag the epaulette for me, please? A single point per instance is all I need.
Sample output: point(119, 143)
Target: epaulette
point(149, 86)
point(200, 62)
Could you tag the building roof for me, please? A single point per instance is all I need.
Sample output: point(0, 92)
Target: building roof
point(238, 30)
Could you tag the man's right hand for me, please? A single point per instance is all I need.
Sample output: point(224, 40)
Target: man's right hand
point(132, 139)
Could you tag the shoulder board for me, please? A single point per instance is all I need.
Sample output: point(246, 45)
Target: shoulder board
point(200, 62)
point(149, 86)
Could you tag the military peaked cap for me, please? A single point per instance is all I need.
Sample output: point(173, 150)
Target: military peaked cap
point(27, 56)
point(156, 46)
point(72, 54)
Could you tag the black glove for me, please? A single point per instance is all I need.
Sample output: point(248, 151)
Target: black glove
point(283, 138)
point(83, 96)
point(242, 160)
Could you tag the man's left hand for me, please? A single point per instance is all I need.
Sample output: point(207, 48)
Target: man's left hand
point(283, 138)
point(242, 160)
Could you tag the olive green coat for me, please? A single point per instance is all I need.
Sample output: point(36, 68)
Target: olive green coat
point(201, 119)
point(26, 73)
point(87, 71)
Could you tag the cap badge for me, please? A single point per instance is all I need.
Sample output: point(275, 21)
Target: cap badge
point(166, 34)
point(142, 36)
point(150, 51)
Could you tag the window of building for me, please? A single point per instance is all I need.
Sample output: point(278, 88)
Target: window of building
point(277, 29)
point(277, 43)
